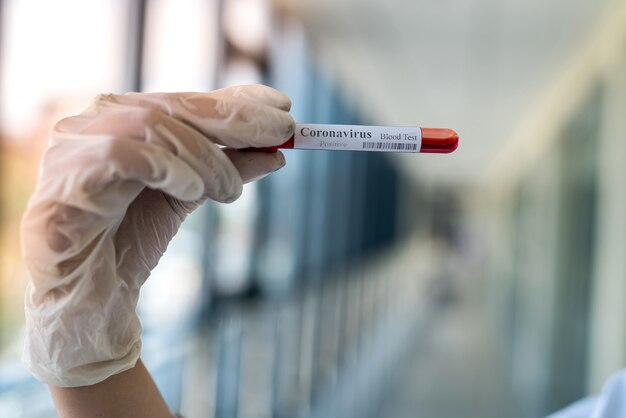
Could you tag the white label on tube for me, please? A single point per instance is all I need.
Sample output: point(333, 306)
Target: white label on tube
point(358, 138)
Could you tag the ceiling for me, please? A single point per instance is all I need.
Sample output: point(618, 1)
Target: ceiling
point(476, 66)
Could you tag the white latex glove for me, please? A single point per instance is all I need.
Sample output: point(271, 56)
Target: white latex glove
point(114, 186)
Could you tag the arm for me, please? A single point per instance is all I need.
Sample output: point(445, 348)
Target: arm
point(130, 394)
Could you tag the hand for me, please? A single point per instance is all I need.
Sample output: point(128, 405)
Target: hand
point(115, 184)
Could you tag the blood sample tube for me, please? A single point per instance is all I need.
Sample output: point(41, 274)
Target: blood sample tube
point(370, 138)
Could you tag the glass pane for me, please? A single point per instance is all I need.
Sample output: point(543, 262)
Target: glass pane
point(56, 56)
point(180, 45)
point(180, 54)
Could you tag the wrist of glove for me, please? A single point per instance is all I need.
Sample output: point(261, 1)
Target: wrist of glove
point(115, 184)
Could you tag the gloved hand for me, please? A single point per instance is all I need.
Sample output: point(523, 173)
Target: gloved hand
point(114, 186)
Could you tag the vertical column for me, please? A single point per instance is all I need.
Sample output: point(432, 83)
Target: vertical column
point(134, 53)
point(607, 350)
point(228, 373)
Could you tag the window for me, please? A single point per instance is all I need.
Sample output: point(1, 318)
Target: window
point(52, 65)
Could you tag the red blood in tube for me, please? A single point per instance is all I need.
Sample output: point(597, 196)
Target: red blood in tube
point(438, 140)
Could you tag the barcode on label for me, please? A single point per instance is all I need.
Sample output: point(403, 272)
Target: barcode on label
point(397, 146)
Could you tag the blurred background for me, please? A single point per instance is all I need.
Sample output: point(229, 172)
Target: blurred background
point(486, 283)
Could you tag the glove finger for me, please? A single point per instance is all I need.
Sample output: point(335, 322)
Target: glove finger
point(83, 194)
point(254, 166)
point(103, 174)
point(221, 179)
point(228, 121)
point(100, 178)
point(259, 93)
